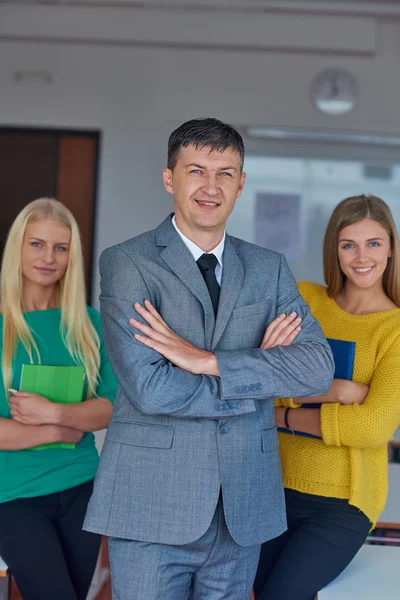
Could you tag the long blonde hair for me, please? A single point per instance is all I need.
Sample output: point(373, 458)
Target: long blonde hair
point(77, 330)
point(349, 211)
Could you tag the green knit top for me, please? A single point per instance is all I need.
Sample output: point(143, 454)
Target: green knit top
point(28, 473)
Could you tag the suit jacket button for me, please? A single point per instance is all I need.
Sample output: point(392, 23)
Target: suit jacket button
point(238, 389)
point(259, 386)
point(253, 387)
point(218, 406)
point(224, 429)
point(245, 389)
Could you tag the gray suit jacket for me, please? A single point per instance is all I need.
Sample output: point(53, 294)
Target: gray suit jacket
point(176, 438)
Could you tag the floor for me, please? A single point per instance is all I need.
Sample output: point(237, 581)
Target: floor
point(105, 593)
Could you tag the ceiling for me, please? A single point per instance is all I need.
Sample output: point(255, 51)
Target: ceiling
point(233, 4)
point(347, 7)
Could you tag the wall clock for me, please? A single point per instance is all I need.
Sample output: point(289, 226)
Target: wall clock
point(334, 91)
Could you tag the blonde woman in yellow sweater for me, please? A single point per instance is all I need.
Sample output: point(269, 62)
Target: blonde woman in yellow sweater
point(336, 486)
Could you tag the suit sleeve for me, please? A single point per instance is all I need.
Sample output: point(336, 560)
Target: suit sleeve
point(148, 380)
point(107, 383)
point(373, 423)
point(305, 368)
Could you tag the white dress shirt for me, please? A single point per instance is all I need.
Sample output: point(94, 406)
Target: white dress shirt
point(196, 252)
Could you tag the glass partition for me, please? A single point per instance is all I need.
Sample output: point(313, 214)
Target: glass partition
point(286, 203)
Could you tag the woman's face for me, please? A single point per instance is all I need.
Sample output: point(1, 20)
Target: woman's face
point(363, 251)
point(45, 252)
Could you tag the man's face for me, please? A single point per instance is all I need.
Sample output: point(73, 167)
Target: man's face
point(205, 186)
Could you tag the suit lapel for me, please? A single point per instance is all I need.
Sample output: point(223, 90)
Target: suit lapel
point(231, 286)
point(181, 262)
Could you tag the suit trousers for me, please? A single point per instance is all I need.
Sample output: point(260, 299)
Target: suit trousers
point(214, 567)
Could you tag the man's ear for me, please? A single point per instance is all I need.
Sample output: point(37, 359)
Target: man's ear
point(241, 184)
point(167, 179)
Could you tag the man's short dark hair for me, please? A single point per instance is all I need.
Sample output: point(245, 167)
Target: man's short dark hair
point(204, 132)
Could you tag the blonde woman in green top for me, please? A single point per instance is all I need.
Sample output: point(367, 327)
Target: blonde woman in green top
point(45, 320)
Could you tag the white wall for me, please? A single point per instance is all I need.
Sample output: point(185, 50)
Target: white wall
point(137, 95)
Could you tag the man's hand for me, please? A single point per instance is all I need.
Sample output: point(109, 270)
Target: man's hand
point(158, 336)
point(32, 409)
point(282, 331)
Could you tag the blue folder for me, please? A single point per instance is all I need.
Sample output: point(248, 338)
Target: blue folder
point(343, 355)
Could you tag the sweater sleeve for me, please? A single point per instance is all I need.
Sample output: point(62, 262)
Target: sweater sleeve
point(286, 402)
point(373, 423)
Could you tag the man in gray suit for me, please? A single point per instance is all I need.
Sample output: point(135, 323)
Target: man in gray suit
point(202, 331)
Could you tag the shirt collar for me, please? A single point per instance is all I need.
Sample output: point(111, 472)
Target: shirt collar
point(195, 251)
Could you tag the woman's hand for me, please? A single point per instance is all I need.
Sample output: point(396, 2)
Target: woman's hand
point(348, 392)
point(32, 409)
point(307, 420)
point(69, 435)
point(280, 416)
point(282, 331)
point(341, 391)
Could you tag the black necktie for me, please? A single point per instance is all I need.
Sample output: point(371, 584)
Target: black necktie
point(207, 264)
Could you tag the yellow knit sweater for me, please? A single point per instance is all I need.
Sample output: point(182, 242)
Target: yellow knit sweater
point(351, 459)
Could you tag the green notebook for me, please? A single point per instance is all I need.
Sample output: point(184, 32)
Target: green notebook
point(56, 383)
